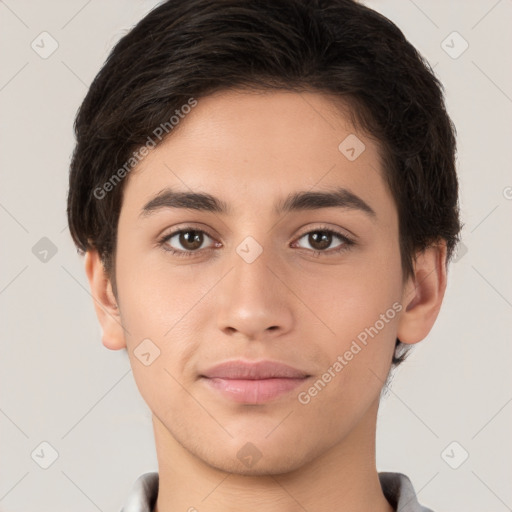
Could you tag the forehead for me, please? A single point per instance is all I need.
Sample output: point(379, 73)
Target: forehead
point(247, 147)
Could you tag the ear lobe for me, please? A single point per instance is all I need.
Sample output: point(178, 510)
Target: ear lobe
point(423, 294)
point(105, 303)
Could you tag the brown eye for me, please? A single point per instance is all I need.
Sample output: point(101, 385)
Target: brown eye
point(322, 239)
point(191, 240)
point(184, 242)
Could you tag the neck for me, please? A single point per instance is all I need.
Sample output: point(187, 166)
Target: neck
point(343, 478)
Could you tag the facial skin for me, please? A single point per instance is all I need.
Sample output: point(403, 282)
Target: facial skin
point(251, 150)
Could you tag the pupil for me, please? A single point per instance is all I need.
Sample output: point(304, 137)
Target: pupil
point(191, 242)
point(324, 242)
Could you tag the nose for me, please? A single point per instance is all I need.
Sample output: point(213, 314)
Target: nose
point(253, 300)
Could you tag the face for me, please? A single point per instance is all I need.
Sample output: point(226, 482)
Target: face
point(315, 285)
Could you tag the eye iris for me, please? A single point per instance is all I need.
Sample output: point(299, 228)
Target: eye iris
point(325, 239)
point(191, 242)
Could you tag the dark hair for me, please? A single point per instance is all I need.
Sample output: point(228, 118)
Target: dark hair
point(187, 49)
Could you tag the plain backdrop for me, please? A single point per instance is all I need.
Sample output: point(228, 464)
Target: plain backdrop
point(444, 422)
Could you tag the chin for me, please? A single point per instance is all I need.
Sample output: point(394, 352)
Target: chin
point(249, 461)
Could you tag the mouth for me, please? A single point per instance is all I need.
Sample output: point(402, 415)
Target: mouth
point(253, 383)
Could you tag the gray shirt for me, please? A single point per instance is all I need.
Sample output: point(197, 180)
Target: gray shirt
point(397, 489)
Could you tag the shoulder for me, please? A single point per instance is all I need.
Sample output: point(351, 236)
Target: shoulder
point(400, 493)
point(143, 495)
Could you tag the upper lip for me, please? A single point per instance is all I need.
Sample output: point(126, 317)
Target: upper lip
point(253, 370)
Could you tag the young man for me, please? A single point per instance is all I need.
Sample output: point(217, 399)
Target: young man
point(266, 196)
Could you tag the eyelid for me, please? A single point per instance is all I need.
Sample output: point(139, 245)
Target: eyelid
point(324, 227)
point(186, 227)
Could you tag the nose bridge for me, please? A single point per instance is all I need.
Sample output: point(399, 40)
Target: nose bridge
point(251, 270)
point(252, 299)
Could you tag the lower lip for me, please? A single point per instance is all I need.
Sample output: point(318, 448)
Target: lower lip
point(253, 391)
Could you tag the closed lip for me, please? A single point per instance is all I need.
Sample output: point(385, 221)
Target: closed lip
point(240, 369)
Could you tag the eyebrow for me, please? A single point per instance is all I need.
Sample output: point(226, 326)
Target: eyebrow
point(298, 201)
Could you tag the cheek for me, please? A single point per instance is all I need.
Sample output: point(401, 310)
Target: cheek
point(155, 297)
point(351, 298)
point(356, 359)
point(158, 313)
point(361, 306)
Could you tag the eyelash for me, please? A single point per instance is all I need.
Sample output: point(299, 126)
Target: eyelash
point(346, 245)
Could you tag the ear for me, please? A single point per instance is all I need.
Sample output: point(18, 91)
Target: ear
point(423, 294)
point(104, 302)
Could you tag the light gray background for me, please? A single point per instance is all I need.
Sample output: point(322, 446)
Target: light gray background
point(60, 385)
